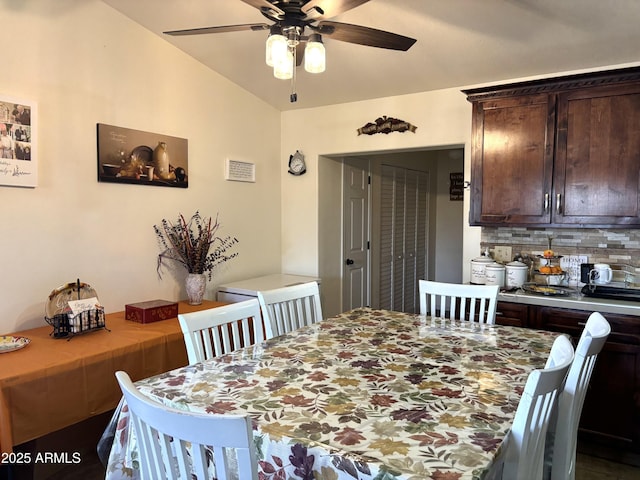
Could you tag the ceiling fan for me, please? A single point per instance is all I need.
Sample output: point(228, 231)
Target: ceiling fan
point(287, 44)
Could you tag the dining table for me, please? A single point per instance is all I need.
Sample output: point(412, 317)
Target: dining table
point(366, 394)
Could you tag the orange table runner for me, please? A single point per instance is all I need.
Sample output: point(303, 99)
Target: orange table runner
point(53, 383)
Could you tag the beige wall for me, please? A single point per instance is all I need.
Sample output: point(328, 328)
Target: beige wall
point(84, 63)
point(450, 220)
point(443, 119)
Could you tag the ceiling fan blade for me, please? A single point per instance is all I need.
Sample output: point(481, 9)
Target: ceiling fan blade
point(266, 7)
point(222, 29)
point(329, 8)
point(371, 37)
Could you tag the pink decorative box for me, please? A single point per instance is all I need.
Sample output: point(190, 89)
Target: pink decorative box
point(151, 311)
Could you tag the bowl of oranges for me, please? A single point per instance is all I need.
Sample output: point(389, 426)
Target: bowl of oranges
point(550, 275)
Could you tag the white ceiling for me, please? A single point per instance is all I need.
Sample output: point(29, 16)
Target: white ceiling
point(459, 43)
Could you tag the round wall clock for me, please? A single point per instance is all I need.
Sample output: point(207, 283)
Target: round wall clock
point(296, 164)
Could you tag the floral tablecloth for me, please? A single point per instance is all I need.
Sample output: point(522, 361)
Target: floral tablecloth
point(368, 394)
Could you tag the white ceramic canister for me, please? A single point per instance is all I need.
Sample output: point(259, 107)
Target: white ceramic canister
point(494, 274)
point(478, 266)
point(516, 274)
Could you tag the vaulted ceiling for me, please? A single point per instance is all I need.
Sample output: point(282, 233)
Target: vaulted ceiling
point(459, 43)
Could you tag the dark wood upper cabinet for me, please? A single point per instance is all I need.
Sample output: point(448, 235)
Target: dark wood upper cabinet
point(597, 165)
point(512, 152)
point(557, 152)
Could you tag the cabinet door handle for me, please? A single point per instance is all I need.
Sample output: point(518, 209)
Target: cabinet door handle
point(546, 202)
point(558, 203)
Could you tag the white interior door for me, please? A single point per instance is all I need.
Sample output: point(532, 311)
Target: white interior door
point(355, 277)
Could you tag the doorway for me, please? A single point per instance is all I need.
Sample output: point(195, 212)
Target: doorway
point(442, 247)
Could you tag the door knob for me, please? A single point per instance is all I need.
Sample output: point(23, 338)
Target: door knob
point(349, 261)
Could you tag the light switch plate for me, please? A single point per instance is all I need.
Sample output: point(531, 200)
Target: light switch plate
point(502, 254)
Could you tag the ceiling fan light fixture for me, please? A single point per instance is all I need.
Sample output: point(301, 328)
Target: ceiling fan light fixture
point(284, 45)
point(314, 54)
point(283, 69)
point(276, 46)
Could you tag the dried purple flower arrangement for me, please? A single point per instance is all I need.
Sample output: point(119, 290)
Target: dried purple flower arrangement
point(194, 244)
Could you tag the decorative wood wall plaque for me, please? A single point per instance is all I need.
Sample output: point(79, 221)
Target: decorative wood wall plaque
point(387, 125)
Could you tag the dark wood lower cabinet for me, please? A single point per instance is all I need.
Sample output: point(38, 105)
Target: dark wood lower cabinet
point(513, 314)
point(610, 421)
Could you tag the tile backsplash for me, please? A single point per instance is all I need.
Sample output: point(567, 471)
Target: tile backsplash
point(616, 247)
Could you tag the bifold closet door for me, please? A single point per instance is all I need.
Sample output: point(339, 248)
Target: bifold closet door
point(403, 236)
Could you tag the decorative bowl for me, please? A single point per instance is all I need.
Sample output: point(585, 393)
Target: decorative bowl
point(550, 278)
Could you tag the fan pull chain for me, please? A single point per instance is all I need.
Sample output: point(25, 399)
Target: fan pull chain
point(294, 96)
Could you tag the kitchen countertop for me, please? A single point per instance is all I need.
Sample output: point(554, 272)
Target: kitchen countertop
point(575, 300)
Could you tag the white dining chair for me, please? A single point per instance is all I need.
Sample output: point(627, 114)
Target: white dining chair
point(289, 308)
point(216, 331)
point(463, 302)
point(174, 443)
point(523, 454)
point(571, 401)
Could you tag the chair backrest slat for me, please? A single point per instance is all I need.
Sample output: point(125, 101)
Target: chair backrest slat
point(289, 308)
point(523, 454)
point(176, 444)
point(458, 301)
point(216, 331)
point(593, 338)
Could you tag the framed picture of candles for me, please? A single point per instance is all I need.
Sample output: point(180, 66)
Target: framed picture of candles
point(143, 158)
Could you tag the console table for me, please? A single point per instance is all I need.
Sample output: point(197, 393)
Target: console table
point(54, 383)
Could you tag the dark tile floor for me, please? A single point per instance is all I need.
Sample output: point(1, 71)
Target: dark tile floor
point(89, 469)
point(593, 468)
